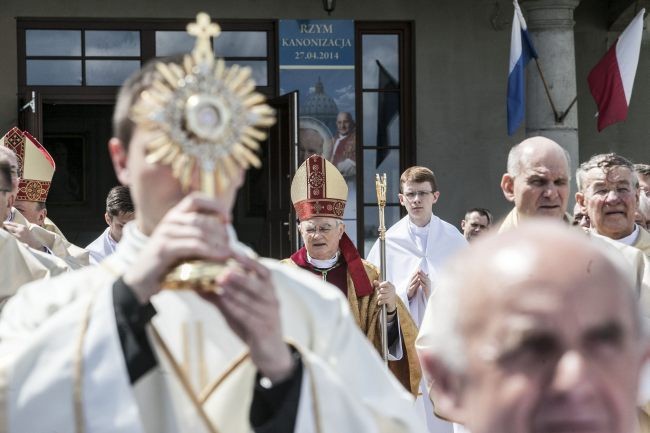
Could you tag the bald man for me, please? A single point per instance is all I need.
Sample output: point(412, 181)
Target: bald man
point(537, 180)
point(511, 345)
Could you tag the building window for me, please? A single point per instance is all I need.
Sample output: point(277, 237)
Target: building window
point(60, 58)
point(80, 58)
point(245, 48)
point(384, 101)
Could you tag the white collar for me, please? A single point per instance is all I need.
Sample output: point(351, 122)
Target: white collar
point(323, 264)
point(417, 230)
point(111, 241)
point(631, 238)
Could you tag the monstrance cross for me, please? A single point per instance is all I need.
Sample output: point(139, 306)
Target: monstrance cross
point(203, 29)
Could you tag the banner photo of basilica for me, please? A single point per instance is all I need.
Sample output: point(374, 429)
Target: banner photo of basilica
point(317, 59)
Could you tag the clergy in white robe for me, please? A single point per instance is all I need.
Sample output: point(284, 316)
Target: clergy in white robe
point(75, 257)
point(260, 349)
point(417, 247)
point(32, 171)
point(21, 264)
point(410, 248)
point(63, 365)
point(508, 335)
point(101, 247)
point(119, 211)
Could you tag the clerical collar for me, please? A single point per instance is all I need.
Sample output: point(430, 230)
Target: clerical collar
point(631, 238)
point(323, 264)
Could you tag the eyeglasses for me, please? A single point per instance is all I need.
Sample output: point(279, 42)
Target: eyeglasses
point(413, 194)
point(322, 230)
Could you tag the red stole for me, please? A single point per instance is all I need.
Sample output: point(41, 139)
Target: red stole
point(349, 262)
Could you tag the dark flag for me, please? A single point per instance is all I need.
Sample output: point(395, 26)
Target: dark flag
point(387, 110)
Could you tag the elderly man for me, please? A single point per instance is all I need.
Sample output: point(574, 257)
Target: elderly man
point(254, 346)
point(477, 220)
point(20, 264)
point(119, 211)
point(608, 191)
point(512, 345)
point(318, 192)
point(537, 181)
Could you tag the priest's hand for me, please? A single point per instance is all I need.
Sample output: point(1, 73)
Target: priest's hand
point(193, 229)
point(22, 233)
point(425, 283)
point(247, 300)
point(414, 285)
point(419, 280)
point(386, 295)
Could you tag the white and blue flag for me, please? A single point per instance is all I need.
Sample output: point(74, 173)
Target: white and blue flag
point(521, 52)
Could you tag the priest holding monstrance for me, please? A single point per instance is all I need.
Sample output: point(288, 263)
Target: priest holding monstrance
point(184, 329)
point(319, 195)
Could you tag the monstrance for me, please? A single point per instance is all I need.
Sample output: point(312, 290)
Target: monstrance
point(207, 115)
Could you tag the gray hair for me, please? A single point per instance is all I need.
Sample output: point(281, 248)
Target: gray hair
point(606, 162)
point(642, 169)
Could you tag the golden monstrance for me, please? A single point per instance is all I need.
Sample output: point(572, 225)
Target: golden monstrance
point(205, 114)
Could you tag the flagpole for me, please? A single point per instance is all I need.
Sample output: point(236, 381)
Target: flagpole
point(559, 117)
point(548, 92)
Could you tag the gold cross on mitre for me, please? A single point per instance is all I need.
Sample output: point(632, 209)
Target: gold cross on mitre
point(203, 29)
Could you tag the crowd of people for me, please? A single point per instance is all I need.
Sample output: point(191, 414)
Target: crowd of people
point(524, 325)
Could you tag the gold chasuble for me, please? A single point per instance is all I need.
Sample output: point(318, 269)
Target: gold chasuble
point(319, 190)
point(366, 314)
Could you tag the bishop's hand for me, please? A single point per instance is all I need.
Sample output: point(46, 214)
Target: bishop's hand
point(387, 295)
point(22, 233)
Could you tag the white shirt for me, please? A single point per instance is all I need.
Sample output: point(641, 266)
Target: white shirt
point(631, 238)
point(101, 247)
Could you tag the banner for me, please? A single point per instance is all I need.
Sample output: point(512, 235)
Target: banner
point(317, 60)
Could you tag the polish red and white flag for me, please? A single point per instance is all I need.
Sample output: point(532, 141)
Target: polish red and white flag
point(611, 80)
